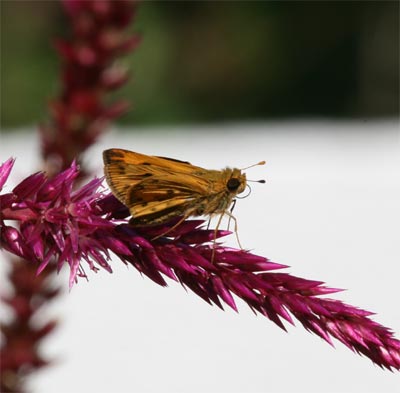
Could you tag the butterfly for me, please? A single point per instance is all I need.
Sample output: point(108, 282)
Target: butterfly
point(158, 189)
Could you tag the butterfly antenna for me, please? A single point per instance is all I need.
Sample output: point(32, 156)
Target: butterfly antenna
point(257, 181)
point(251, 166)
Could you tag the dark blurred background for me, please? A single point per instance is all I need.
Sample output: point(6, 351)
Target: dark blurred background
point(222, 61)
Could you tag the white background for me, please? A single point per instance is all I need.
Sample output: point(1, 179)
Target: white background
point(330, 209)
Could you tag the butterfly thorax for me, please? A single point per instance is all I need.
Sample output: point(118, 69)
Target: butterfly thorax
point(224, 186)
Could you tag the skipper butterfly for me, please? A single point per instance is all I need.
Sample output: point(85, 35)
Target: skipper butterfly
point(158, 189)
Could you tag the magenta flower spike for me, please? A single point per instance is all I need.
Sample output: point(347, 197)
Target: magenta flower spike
point(89, 72)
point(81, 111)
point(87, 225)
point(55, 221)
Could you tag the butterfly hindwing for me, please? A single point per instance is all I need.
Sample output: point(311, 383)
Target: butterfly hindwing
point(160, 198)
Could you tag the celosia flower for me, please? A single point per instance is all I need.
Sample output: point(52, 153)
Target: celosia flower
point(89, 72)
point(87, 225)
point(19, 352)
point(79, 115)
point(56, 221)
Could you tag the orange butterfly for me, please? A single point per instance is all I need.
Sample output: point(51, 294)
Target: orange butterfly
point(157, 189)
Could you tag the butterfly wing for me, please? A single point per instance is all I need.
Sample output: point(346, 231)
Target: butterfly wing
point(155, 189)
point(157, 199)
point(124, 169)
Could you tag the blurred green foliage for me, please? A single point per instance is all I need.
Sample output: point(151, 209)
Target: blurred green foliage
point(221, 61)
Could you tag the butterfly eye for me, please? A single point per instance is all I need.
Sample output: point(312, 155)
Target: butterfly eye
point(233, 184)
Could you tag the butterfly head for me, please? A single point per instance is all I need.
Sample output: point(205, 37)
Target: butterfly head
point(236, 183)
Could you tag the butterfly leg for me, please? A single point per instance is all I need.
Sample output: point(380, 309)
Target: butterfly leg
point(230, 211)
point(208, 223)
point(231, 216)
point(215, 236)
